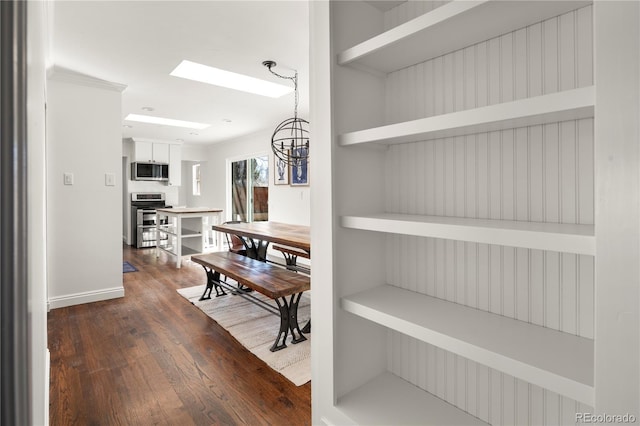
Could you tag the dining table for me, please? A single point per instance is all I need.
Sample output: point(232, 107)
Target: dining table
point(256, 236)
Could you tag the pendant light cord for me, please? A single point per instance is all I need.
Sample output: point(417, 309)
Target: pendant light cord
point(295, 86)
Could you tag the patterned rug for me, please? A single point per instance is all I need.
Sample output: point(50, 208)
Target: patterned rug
point(256, 329)
point(127, 267)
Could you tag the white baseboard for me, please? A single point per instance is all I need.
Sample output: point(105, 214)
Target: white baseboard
point(86, 297)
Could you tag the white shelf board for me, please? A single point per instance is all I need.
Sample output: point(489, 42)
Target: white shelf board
point(557, 361)
point(555, 107)
point(187, 233)
point(453, 26)
point(186, 251)
point(169, 230)
point(390, 400)
point(565, 238)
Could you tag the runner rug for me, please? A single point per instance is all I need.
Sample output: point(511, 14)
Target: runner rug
point(256, 329)
point(127, 267)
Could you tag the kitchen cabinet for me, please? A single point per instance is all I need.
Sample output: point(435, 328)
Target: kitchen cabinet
point(175, 165)
point(470, 237)
point(147, 151)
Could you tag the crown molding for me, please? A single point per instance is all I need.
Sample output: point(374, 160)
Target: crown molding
point(59, 73)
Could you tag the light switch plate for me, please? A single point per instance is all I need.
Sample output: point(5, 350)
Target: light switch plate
point(109, 179)
point(68, 178)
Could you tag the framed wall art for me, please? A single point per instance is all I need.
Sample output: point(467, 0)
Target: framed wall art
point(300, 169)
point(281, 172)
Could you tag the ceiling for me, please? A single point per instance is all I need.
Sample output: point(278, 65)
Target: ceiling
point(138, 43)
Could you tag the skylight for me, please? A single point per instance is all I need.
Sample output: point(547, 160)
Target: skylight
point(217, 77)
point(165, 121)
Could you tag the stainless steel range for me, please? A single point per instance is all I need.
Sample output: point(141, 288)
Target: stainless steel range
point(143, 218)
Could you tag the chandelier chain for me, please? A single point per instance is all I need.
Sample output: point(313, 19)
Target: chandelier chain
point(295, 87)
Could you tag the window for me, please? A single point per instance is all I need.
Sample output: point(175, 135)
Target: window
point(196, 179)
point(250, 189)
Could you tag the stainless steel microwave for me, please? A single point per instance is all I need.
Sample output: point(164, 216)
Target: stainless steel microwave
point(149, 171)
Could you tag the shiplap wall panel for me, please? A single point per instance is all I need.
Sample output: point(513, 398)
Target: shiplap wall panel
point(540, 173)
point(540, 59)
point(492, 396)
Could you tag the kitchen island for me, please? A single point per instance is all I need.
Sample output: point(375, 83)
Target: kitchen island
point(188, 230)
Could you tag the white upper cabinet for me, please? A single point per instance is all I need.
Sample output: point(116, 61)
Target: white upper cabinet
point(142, 151)
point(148, 151)
point(161, 152)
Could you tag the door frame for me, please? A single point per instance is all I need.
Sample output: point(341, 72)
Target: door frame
point(15, 389)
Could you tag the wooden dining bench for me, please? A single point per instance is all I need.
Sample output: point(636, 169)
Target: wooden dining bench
point(273, 281)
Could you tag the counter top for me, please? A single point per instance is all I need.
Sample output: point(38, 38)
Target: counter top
point(188, 210)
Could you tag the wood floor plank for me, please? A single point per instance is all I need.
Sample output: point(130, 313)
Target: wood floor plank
point(153, 358)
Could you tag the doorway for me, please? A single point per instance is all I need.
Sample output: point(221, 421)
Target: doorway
point(250, 189)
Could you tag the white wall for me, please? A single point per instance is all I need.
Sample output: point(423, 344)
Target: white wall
point(84, 220)
point(289, 204)
point(194, 152)
point(36, 87)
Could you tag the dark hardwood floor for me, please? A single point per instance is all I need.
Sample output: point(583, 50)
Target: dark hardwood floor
point(152, 358)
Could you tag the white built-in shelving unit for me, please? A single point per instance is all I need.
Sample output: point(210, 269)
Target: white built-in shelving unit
point(463, 254)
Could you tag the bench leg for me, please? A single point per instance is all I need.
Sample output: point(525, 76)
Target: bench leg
point(288, 322)
point(213, 280)
point(293, 319)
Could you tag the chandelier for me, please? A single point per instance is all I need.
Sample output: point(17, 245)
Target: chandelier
point(290, 139)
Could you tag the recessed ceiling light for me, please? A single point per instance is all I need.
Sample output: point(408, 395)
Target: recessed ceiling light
point(194, 133)
point(148, 108)
point(217, 77)
point(165, 121)
point(226, 120)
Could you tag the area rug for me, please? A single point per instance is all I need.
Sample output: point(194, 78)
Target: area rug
point(256, 329)
point(127, 267)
